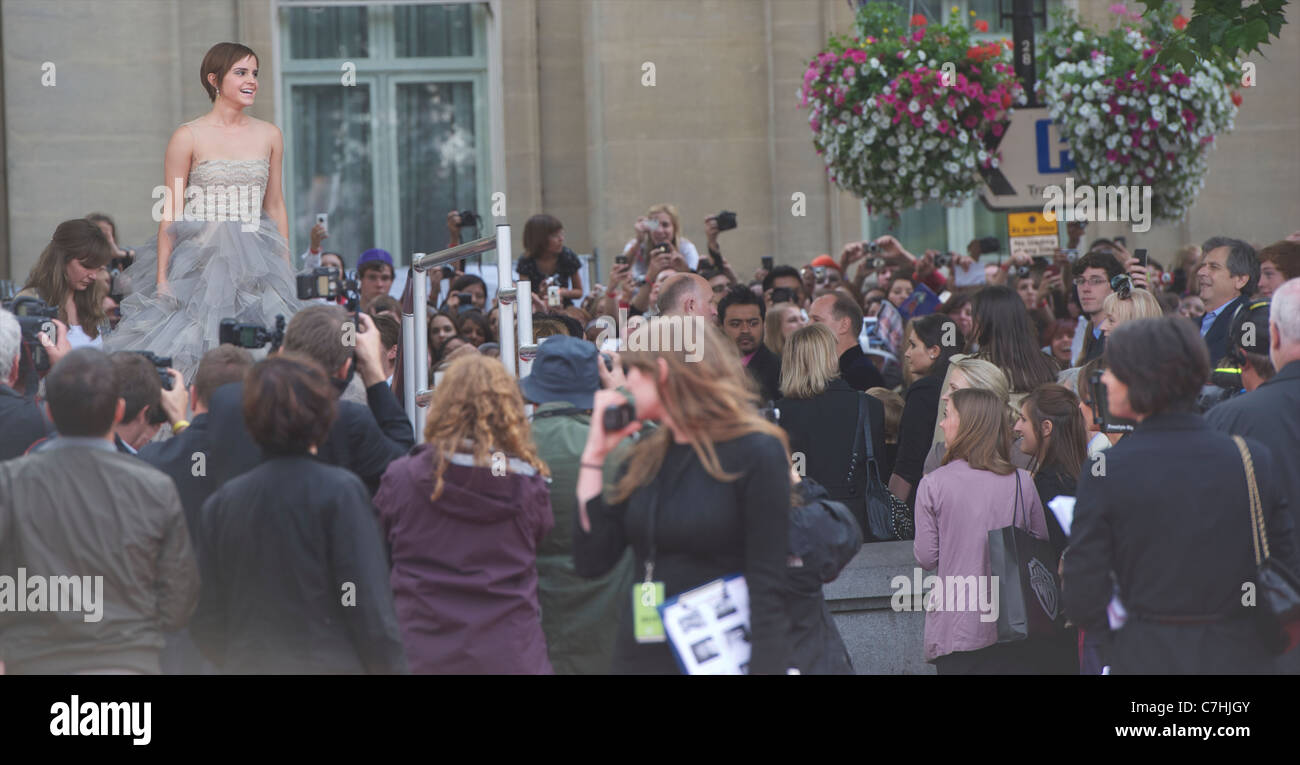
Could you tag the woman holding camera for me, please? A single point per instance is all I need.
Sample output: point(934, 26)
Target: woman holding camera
point(293, 571)
point(67, 278)
point(1175, 537)
point(660, 226)
point(547, 262)
point(464, 514)
point(703, 496)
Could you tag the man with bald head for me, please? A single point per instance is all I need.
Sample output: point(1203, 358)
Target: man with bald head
point(687, 295)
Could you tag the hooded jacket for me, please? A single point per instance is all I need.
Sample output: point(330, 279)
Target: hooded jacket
point(464, 567)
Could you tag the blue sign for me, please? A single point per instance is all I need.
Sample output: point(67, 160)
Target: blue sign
point(1050, 147)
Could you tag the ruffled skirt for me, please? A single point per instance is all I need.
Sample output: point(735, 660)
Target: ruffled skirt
point(216, 271)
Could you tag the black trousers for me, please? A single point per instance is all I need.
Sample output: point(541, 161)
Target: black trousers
point(1026, 657)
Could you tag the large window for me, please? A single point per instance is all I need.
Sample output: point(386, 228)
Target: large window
point(385, 122)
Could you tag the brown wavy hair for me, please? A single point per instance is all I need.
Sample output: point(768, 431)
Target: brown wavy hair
point(83, 240)
point(710, 399)
point(478, 402)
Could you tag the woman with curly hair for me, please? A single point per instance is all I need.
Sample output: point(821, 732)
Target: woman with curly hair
point(712, 482)
point(464, 513)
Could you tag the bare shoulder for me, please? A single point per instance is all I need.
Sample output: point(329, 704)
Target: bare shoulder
point(268, 129)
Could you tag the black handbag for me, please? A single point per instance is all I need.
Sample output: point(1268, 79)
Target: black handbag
point(885, 517)
point(1029, 593)
point(1277, 587)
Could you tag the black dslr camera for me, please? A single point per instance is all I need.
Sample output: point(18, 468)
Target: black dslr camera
point(726, 220)
point(118, 265)
point(34, 317)
point(162, 364)
point(469, 218)
point(618, 416)
point(1101, 408)
point(326, 282)
point(249, 335)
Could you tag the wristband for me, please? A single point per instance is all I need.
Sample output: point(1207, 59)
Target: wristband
point(314, 251)
point(591, 465)
point(179, 426)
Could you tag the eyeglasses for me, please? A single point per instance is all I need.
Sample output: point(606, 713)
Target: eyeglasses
point(720, 288)
point(1096, 281)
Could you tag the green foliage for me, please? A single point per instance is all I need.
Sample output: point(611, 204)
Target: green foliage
point(1219, 29)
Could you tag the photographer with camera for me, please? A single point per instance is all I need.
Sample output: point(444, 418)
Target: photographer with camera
point(66, 278)
point(364, 438)
point(658, 227)
point(148, 404)
point(22, 423)
point(547, 263)
point(714, 225)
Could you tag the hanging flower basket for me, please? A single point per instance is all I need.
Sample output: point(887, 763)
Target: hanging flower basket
point(1129, 121)
point(894, 125)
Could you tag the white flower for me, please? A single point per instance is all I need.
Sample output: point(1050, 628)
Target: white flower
point(1078, 35)
point(1127, 140)
point(961, 136)
point(914, 106)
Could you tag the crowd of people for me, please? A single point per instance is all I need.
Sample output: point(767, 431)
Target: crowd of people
point(273, 512)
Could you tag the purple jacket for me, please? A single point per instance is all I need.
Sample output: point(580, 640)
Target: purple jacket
point(464, 573)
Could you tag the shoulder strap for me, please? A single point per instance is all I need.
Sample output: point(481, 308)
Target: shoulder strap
point(1259, 534)
point(1018, 503)
point(864, 424)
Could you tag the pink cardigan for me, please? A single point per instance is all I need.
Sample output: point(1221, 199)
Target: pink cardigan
point(956, 507)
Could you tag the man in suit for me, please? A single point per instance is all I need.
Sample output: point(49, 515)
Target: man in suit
point(21, 421)
point(137, 383)
point(742, 314)
point(844, 317)
point(364, 439)
point(1228, 274)
point(1270, 414)
point(81, 510)
point(184, 457)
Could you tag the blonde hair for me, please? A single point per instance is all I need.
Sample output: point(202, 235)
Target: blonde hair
point(893, 411)
point(983, 432)
point(708, 395)
point(1140, 304)
point(809, 362)
point(478, 406)
point(984, 375)
point(773, 337)
point(671, 211)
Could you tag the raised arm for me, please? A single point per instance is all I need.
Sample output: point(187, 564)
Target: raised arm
point(176, 172)
point(273, 204)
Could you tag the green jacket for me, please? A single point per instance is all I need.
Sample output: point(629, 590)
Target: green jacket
point(580, 616)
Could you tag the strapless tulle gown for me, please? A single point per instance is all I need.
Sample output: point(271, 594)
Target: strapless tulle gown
point(217, 270)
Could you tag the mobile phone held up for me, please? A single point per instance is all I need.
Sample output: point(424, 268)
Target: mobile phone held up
point(324, 220)
point(767, 262)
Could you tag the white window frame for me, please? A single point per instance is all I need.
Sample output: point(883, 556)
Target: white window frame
point(483, 70)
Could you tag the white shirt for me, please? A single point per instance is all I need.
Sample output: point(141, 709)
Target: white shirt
point(78, 338)
point(684, 246)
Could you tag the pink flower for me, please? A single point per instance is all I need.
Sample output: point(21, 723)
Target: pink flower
point(1208, 139)
point(917, 121)
point(1112, 155)
point(1119, 9)
point(944, 127)
point(918, 35)
point(900, 54)
point(849, 72)
point(1095, 54)
point(971, 121)
point(997, 128)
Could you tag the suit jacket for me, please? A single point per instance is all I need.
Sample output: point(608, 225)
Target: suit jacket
point(1170, 516)
point(362, 439)
point(22, 423)
point(765, 367)
point(1271, 415)
point(176, 458)
point(858, 371)
point(1217, 338)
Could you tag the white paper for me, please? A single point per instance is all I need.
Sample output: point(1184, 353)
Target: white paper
point(1063, 508)
point(708, 628)
point(966, 277)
